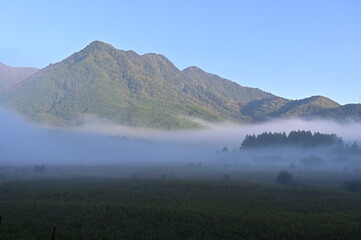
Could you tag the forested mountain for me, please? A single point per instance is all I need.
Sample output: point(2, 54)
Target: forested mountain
point(279, 107)
point(140, 90)
point(146, 90)
point(345, 112)
point(11, 76)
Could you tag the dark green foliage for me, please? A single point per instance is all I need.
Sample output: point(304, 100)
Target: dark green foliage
point(284, 177)
point(163, 209)
point(294, 138)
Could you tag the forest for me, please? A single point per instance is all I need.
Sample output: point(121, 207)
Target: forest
point(299, 139)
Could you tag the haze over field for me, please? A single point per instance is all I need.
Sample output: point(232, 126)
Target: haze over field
point(104, 106)
point(100, 142)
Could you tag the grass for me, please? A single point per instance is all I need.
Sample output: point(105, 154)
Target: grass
point(108, 208)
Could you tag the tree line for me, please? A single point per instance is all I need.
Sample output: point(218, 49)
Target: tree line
point(294, 138)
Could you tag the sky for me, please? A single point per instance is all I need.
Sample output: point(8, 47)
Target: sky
point(293, 49)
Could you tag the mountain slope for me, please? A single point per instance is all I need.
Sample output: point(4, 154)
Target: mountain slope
point(10, 76)
point(278, 107)
point(149, 91)
point(139, 90)
point(306, 107)
point(345, 112)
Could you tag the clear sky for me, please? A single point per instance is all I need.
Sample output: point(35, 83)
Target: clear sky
point(293, 49)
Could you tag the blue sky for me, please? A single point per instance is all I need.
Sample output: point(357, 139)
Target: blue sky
point(293, 49)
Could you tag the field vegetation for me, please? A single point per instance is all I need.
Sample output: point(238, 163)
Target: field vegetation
point(159, 204)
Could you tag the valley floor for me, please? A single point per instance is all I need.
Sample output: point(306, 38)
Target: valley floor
point(113, 208)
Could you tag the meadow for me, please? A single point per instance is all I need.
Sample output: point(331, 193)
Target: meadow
point(171, 207)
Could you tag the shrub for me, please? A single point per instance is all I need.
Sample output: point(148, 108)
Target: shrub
point(226, 178)
point(284, 177)
point(352, 185)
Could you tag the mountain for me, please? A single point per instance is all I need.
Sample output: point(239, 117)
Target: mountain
point(345, 112)
point(146, 90)
point(264, 109)
point(11, 76)
point(139, 90)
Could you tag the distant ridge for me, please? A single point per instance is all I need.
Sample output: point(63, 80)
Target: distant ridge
point(11, 76)
point(149, 91)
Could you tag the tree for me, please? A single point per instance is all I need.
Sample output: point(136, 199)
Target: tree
point(40, 168)
point(354, 148)
point(353, 186)
point(284, 177)
point(294, 138)
point(226, 177)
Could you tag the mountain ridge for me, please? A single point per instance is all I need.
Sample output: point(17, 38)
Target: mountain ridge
point(148, 90)
point(11, 76)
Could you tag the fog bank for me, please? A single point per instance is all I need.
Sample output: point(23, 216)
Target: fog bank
point(98, 141)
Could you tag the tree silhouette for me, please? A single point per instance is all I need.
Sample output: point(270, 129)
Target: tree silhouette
point(284, 177)
point(294, 138)
point(40, 168)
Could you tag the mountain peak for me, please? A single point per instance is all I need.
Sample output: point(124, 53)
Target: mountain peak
point(94, 50)
point(98, 44)
point(321, 100)
point(192, 69)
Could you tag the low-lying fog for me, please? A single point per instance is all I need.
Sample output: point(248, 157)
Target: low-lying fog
point(100, 142)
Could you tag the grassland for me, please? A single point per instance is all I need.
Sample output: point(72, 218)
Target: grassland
point(114, 208)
